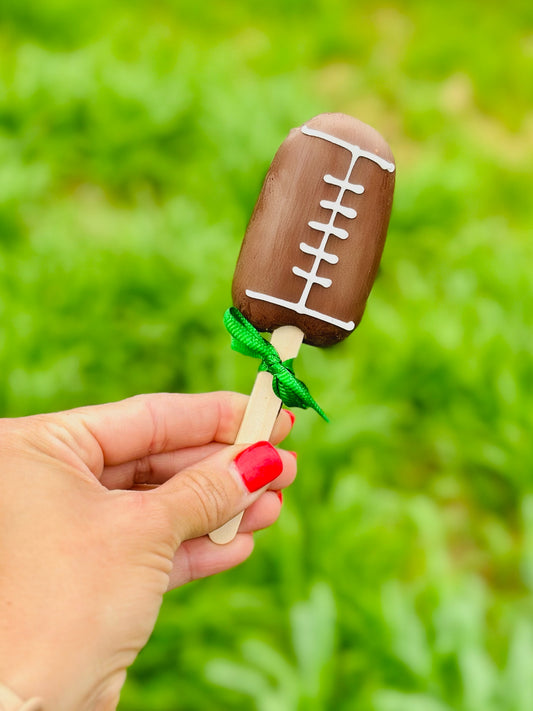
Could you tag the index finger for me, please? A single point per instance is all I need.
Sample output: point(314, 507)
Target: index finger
point(144, 425)
point(162, 422)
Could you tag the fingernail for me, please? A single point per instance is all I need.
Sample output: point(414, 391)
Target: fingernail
point(294, 454)
point(279, 494)
point(291, 415)
point(258, 465)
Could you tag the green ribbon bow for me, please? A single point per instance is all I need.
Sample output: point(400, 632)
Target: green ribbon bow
point(247, 340)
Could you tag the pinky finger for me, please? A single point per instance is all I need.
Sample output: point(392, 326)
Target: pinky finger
point(262, 513)
point(200, 557)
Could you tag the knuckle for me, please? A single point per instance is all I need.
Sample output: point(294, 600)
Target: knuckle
point(159, 437)
point(44, 432)
point(230, 410)
point(142, 468)
point(209, 502)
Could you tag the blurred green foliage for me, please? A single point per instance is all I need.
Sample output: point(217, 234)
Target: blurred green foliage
point(133, 142)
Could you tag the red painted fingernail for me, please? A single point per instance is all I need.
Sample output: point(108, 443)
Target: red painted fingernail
point(292, 416)
point(294, 454)
point(258, 465)
point(279, 494)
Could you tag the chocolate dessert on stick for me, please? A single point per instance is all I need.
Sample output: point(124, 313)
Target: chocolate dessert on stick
point(311, 250)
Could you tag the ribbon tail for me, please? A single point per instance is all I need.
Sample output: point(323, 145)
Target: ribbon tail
point(247, 340)
point(295, 393)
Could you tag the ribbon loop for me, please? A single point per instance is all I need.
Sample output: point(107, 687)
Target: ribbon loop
point(247, 340)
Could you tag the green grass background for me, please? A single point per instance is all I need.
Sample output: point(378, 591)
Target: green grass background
point(134, 137)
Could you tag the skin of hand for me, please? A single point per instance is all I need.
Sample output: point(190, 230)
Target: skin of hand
point(85, 557)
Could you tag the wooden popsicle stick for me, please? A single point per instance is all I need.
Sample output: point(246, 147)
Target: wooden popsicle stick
point(261, 413)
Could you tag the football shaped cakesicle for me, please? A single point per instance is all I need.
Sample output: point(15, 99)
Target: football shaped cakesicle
point(314, 242)
point(312, 248)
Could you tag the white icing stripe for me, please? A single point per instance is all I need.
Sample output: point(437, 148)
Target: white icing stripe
point(344, 184)
point(301, 309)
point(312, 278)
point(329, 229)
point(348, 212)
point(326, 256)
point(355, 150)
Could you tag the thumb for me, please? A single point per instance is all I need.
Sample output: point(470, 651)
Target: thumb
point(203, 497)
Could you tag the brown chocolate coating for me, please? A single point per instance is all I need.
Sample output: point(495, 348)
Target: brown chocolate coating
point(336, 173)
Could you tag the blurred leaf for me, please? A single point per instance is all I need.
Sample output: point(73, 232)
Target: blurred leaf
point(396, 701)
point(313, 635)
point(408, 635)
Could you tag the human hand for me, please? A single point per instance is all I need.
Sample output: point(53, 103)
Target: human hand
point(85, 557)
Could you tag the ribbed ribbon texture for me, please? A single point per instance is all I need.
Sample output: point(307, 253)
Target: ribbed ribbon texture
point(247, 340)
